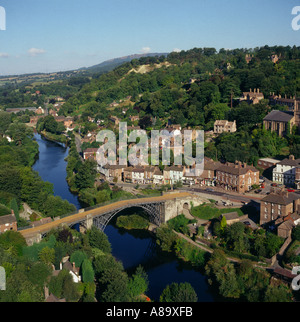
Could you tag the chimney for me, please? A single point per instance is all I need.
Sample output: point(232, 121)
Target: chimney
point(291, 157)
point(74, 267)
point(258, 90)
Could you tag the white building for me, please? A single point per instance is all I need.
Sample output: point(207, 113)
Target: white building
point(158, 177)
point(285, 171)
point(138, 175)
point(173, 174)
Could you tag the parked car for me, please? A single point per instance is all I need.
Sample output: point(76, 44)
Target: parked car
point(291, 190)
point(274, 185)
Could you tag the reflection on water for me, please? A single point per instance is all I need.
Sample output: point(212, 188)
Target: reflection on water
point(132, 248)
point(51, 166)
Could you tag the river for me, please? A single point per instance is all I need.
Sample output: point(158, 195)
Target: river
point(132, 248)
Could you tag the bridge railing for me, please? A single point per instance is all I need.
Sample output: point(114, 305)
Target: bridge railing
point(109, 202)
point(106, 203)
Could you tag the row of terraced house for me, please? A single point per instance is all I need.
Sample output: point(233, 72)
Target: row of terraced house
point(238, 177)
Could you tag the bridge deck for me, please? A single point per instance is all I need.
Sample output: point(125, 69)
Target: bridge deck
point(98, 211)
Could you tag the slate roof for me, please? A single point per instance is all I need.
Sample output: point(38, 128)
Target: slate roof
point(236, 170)
point(281, 198)
point(8, 219)
point(290, 162)
point(278, 116)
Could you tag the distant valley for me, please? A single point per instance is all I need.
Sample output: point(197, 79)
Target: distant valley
point(43, 78)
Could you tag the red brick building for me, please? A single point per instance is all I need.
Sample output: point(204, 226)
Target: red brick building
point(278, 205)
point(209, 173)
point(267, 163)
point(90, 154)
point(237, 177)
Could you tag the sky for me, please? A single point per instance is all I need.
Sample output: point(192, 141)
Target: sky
point(57, 35)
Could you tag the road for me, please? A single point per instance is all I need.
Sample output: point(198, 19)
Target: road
point(226, 195)
point(80, 216)
point(209, 193)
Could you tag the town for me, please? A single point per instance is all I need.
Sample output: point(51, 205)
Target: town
point(239, 212)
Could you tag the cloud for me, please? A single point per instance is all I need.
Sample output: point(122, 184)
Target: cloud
point(146, 50)
point(36, 51)
point(176, 50)
point(4, 55)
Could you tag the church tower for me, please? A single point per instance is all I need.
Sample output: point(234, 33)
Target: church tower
point(297, 113)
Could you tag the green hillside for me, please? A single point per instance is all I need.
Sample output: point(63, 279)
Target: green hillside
point(192, 88)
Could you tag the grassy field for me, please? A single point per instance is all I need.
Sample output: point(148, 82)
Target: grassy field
point(208, 212)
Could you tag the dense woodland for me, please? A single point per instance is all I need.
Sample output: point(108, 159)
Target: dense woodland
point(192, 88)
point(18, 182)
point(30, 268)
point(218, 79)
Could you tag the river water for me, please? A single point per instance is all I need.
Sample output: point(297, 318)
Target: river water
point(132, 248)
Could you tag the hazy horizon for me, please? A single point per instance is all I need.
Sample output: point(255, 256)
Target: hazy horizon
point(46, 37)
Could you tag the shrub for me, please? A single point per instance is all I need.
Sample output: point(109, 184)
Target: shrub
point(132, 222)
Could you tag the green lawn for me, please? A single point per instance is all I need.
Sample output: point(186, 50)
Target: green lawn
point(208, 212)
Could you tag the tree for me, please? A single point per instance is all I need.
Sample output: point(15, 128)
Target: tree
point(50, 124)
point(138, 284)
point(145, 122)
point(39, 273)
point(47, 255)
point(166, 238)
point(98, 239)
point(65, 235)
point(104, 262)
point(78, 257)
point(114, 285)
point(5, 120)
point(179, 293)
point(14, 206)
point(62, 286)
point(236, 238)
point(278, 294)
point(85, 177)
point(223, 224)
point(88, 274)
point(296, 233)
point(102, 196)
point(273, 244)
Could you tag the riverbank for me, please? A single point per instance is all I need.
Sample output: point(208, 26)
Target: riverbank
point(55, 138)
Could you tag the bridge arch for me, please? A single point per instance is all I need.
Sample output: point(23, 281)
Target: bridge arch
point(153, 210)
